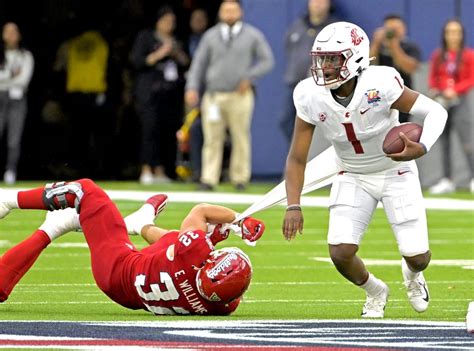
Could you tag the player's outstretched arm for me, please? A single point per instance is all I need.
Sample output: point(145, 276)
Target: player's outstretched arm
point(151, 233)
point(202, 214)
point(294, 177)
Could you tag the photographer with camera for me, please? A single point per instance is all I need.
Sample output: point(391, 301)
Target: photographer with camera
point(391, 47)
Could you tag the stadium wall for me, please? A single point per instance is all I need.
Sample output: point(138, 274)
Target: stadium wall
point(424, 20)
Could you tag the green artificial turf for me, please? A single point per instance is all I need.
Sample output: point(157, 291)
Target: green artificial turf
point(292, 280)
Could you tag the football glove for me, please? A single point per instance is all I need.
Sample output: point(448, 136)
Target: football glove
point(218, 233)
point(252, 229)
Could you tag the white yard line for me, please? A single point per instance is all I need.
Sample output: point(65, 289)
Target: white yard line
point(248, 199)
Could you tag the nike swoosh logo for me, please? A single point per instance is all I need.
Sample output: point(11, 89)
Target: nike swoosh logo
point(427, 298)
point(402, 172)
point(364, 111)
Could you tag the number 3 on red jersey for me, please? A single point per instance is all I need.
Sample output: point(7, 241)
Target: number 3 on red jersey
point(156, 294)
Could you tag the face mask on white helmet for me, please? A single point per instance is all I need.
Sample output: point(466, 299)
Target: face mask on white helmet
point(340, 52)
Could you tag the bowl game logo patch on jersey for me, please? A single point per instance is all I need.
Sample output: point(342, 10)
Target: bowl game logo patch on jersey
point(322, 116)
point(372, 96)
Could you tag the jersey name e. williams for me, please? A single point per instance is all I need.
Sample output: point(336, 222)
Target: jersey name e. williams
point(358, 130)
point(162, 276)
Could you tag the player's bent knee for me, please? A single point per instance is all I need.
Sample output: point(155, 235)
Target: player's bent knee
point(87, 184)
point(419, 262)
point(342, 254)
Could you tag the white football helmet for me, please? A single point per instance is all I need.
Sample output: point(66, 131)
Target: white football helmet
point(340, 52)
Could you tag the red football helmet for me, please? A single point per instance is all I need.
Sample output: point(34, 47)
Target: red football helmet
point(225, 276)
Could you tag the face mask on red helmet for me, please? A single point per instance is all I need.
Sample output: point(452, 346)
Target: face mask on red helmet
point(225, 276)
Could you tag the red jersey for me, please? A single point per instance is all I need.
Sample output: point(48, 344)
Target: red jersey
point(447, 73)
point(162, 277)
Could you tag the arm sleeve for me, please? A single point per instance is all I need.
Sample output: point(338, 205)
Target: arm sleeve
point(435, 117)
point(199, 64)
point(264, 60)
point(302, 108)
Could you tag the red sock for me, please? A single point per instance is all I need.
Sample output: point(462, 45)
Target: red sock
point(18, 260)
point(33, 199)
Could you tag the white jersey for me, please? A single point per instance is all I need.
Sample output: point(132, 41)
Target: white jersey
point(358, 130)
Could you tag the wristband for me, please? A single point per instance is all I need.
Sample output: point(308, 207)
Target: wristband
point(295, 207)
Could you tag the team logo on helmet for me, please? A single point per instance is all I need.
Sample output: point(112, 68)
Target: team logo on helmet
point(355, 37)
point(322, 116)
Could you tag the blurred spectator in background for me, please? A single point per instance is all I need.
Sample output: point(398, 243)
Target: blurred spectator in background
point(451, 82)
point(16, 69)
point(160, 63)
point(391, 47)
point(199, 23)
point(84, 59)
point(298, 42)
point(229, 58)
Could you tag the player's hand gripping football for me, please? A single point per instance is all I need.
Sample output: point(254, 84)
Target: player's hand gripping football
point(252, 229)
point(411, 151)
point(292, 223)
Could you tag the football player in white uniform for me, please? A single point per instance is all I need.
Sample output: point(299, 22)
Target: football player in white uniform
point(356, 105)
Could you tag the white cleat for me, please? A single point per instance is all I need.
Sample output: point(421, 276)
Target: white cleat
point(60, 222)
point(4, 208)
point(418, 294)
point(374, 306)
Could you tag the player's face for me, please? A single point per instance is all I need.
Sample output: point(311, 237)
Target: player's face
point(328, 66)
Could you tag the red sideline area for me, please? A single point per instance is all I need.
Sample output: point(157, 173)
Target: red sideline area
point(168, 344)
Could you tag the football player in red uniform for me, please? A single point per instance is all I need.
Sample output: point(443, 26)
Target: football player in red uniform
point(179, 273)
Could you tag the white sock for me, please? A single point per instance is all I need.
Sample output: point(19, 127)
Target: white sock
point(408, 274)
point(60, 222)
point(146, 215)
point(51, 230)
point(10, 199)
point(373, 286)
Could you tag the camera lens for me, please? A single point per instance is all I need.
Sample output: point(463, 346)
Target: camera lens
point(389, 34)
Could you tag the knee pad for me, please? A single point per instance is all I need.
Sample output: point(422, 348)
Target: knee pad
point(58, 191)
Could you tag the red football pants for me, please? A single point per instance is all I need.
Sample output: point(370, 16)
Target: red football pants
point(106, 236)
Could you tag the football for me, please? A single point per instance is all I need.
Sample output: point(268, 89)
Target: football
point(393, 144)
